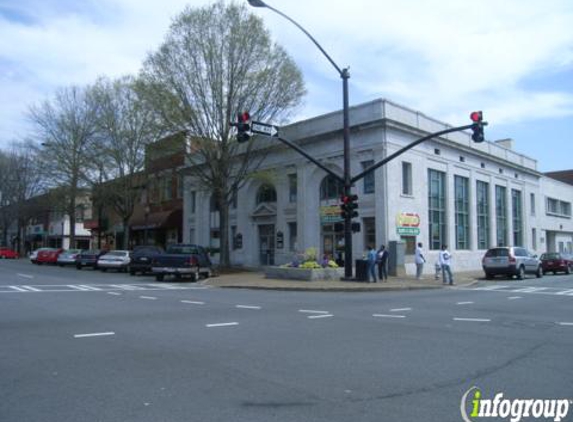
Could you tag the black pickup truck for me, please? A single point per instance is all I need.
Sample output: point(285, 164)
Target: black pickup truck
point(141, 259)
point(182, 260)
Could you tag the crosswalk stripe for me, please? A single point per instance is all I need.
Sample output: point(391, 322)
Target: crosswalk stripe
point(30, 288)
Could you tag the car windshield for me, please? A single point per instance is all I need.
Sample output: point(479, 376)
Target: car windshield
point(550, 256)
point(115, 253)
point(497, 252)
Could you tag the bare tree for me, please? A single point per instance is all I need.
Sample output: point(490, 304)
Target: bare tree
point(20, 180)
point(65, 126)
point(124, 127)
point(215, 62)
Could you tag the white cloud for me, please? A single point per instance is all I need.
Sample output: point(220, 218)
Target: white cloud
point(436, 56)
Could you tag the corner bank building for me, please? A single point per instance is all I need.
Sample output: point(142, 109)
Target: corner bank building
point(447, 190)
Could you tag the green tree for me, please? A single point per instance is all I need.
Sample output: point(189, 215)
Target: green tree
point(217, 61)
point(124, 127)
point(66, 127)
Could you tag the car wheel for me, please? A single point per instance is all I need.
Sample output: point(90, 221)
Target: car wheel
point(131, 272)
point(159, 277)
point(195, 275)
point(539, 272)
point(79, 267)
point(488, 276)
point(103, 269)
point(521, 273)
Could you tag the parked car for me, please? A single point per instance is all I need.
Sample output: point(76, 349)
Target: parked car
point(68, 257)
point(7, 253)
point(88, 258)
point(556, 262)
point(117, 260)
point(182, 260)
point(511, 261)
point(48, 256)
point(141, 259)
point(34, 254)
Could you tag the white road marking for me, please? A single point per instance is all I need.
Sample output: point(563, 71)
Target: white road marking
point(529, 289)
point(400, 309)
point(568, 324)
point(114, 293)
point(514, 297)
point(310, 311)
point(565, 293)
point(248, 307)
point(193, 302)
point(464, 303)
point(494, 287)
point(25, 275)
point(224, 324)
point(30, 288)
point(320, 316)
point(472, 319)
point(108, 333)
point(126, 287)
point(388, 316)
point(148, 297)
point(78, 288)
point(90, 288)
point(18, 289)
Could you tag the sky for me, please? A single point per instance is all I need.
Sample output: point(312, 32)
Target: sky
point(512, 59)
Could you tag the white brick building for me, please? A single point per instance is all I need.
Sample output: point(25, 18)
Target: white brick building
point(446, 190)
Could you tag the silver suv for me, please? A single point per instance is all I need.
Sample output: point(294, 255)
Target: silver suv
point(511, 261)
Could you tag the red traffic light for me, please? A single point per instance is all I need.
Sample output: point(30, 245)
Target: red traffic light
point(243, 117)
point(476, 116)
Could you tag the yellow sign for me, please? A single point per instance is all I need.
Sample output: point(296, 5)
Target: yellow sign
point(330, 214)
point(408, 219)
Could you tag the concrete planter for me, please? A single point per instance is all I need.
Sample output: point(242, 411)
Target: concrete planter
point(304, 274)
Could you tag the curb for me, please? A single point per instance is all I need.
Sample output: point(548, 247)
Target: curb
point(333, 289)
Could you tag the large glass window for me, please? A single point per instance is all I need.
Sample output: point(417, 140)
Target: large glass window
point(369, 184)
point(406, 178)
point(292, 234)
point(482, 193)
point(462, 207)
point(369, 232)
point(193, 202)
point(501, 215)
point(292, 187)
point(437, 208)
point(517, 209)
point(331, 188)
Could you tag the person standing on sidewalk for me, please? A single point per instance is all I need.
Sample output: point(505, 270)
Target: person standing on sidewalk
point(371, 263)
point(445, 261)
point(382, 260)
point(420, 260)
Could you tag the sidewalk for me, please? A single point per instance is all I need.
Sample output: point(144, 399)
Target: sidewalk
point(257, 280)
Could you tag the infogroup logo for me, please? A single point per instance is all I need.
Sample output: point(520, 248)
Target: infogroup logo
point(513, 409)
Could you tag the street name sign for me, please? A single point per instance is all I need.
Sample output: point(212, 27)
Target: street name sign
point(265, 129)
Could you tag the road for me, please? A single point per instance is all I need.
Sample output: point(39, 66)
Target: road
point(86, 346)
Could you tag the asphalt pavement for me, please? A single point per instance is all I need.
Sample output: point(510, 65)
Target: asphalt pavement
point(86, 346)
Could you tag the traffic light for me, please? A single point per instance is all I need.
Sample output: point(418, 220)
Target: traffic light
point(348, 206)
point(243, 126)
point(477, 127)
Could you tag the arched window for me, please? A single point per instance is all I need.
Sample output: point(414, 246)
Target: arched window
point(331, 188)
point(266, 193)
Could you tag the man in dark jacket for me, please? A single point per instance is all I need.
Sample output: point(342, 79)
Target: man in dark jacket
point(382, 261)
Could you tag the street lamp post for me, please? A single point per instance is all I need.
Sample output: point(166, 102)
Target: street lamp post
point(147, 209)
point(345, 75)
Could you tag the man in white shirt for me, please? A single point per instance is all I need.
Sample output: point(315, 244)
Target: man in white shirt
point(445, 260)
point(420, 260)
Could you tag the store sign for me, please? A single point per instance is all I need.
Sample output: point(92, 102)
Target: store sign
point(330, 214)
point(408, 224)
